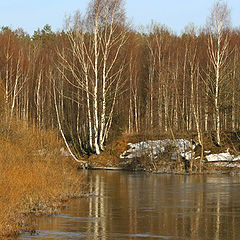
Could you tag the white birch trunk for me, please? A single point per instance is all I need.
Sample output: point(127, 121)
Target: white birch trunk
point(60, 125)
point(95, 91)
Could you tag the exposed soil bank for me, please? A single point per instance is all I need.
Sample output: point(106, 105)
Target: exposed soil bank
point(196, 158)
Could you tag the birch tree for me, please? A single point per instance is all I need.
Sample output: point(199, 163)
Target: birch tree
point(15, 75)
point(133, 74)
point(218, 52)
point(151, 78)
point(96, 42)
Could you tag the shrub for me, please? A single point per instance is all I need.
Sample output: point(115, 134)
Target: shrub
point(34, 177)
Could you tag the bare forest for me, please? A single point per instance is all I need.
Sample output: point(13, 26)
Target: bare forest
point(99, 77)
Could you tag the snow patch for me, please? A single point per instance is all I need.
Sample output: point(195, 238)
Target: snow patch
point(153, 148)
point(181, 147)
point(223, 157)
point(237, 158)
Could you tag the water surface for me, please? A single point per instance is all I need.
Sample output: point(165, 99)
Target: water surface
point(127, 205)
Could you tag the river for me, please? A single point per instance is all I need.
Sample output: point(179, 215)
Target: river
point(137, 205)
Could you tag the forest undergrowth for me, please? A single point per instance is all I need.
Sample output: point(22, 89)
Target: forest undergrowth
point(34, 177)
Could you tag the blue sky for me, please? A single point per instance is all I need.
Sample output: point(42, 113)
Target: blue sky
point(176, 14)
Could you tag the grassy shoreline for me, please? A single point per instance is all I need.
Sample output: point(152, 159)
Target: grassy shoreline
point(34, 178)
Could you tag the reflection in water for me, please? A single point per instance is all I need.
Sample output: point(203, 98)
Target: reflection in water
point(128, 205)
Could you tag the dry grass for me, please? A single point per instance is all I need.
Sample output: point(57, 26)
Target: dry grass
point(33, 177)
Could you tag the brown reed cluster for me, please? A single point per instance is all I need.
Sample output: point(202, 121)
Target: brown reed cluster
point(34, 177)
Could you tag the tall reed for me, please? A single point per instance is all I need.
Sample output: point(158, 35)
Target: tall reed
point(34, 177)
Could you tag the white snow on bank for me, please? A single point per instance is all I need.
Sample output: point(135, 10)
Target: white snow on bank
point(182, 147)
point(153, 148)
point(222, 157)
point(236, 158)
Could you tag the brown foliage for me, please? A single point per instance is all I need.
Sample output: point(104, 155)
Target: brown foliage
point(34, 177)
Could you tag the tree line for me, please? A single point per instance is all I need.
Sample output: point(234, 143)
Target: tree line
point(99, 77)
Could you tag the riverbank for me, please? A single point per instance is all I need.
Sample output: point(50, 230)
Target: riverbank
point(165, 154)
point(34, 177)
point(37, 178)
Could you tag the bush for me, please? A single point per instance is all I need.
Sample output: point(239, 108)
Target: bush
point(34, 177)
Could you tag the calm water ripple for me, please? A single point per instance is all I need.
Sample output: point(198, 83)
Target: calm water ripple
point(126, 205)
